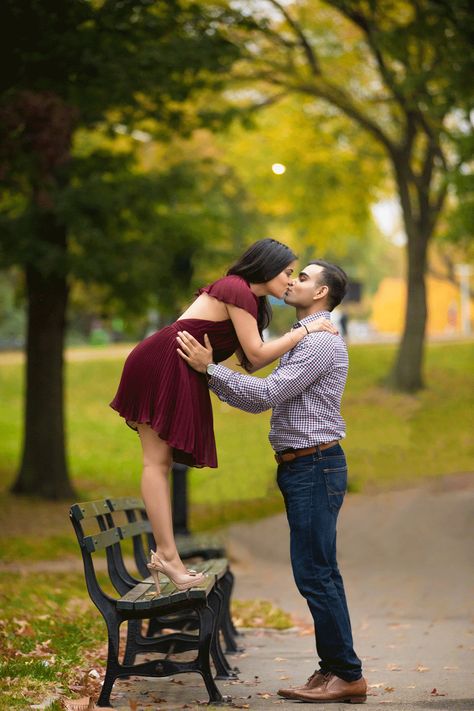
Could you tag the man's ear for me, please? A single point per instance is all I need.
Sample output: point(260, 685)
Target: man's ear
point(321, 292)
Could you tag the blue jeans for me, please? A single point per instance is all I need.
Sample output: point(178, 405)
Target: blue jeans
point(313, 488)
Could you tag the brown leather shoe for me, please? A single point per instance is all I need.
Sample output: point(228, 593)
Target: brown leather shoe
point(333, 689)
point(316, 678)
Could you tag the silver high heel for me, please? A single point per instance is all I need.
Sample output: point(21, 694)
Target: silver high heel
point(157, 565)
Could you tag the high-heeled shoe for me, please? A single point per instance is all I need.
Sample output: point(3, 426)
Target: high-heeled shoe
point(157, 566)
point(191, 571)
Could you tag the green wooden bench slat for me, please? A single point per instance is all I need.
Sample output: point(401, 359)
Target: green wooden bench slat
point(130, 530)
point(102, 540)
point(136, 593)
point(144, 597)
point(88, 509)
point(189, 546)
point(125, 503)
point(216, 567)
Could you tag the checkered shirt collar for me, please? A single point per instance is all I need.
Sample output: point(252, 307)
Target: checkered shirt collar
point(312, 317)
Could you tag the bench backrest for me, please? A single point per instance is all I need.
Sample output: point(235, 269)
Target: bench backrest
point(134, 510)
point(107, 537)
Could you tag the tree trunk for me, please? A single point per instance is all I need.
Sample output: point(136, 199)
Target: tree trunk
point(407, 374)
point(43, 471)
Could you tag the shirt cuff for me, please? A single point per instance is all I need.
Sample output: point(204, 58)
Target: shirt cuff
point(221, 374)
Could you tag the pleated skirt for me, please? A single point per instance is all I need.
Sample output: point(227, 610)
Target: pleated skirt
point(158, 388)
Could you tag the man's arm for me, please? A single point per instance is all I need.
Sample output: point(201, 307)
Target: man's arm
point(309, 360)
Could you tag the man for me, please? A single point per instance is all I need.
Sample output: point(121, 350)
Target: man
point(305, 392)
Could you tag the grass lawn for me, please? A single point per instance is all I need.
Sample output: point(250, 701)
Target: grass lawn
point(51, 636)
point(392, 439)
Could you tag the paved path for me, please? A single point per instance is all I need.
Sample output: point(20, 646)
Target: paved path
point(407, 560)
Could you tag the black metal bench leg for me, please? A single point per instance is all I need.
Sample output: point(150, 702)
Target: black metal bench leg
point(228, 629)
point(206, 625)
point(134, 628)
point(113, 666)
point(223, 670)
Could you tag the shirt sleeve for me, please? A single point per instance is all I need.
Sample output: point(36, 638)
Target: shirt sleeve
point(233, 290)
point(308, 361)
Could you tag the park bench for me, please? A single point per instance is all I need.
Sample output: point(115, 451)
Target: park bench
point(190, 547)
point(178, 621)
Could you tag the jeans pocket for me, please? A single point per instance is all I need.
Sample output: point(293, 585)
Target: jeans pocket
point(336, 485)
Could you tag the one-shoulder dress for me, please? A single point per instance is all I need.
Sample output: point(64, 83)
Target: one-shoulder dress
point(158, 387)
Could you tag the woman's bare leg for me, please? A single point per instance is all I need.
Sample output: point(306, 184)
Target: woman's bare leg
point(156, 495)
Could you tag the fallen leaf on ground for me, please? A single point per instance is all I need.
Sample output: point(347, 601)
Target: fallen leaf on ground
point(85, 704)
point(435, 692)
point(305, 631)
point(421, 668)
point(264, 695)
point(389, 689)
point(24, 628)
point(45, 704)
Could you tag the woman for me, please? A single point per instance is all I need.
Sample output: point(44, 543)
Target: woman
point(168, 403)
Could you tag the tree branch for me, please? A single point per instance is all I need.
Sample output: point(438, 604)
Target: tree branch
point(305, 45)
point(339, 98)
point(369, 29)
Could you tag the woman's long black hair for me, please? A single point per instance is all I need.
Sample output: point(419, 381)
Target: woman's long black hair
point(261, 262)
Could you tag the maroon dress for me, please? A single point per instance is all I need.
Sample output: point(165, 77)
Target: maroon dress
point(158, 387)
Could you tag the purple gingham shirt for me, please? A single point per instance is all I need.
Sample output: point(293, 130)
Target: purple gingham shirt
point(304, 390)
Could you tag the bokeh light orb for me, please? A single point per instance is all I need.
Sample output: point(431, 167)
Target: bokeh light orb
point(278, 168)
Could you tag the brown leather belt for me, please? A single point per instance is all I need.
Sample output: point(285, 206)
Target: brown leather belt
point(294, 453)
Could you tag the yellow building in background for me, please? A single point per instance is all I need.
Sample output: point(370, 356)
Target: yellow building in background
point(444, 307)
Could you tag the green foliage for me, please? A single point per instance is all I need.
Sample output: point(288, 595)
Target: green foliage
point(322, 200)
point(139, 57)
point(98, 71)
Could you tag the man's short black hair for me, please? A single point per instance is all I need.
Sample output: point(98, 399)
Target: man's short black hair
point(335, 279)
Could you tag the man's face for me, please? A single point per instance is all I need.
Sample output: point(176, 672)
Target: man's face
point(305, 287)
